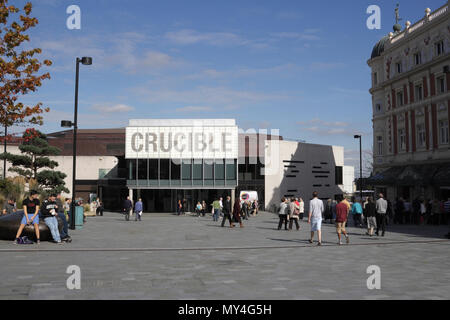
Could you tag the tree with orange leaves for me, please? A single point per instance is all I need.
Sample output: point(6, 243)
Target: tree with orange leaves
point(19, 68)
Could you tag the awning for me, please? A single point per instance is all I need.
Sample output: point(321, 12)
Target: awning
point(442, 176)
point(430, 174)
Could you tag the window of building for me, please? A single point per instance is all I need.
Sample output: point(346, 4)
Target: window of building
point(375, 78)
point(209, 169)
point(418, 92)
point(441, 84)
point(380, 145)
point(402, 139)
point(142, 169)
point(153, 169)
point(421, 135)
point(399, 98)
point(131, 169)
point(164, 165)
point(439, 48)
point(398, 67)
point(338, 175)
point(175, 169)
point(443, 131)
point(219, 169)
point(378, 107)
point(417, 58)
point(197, 170)
point(231, 169)
point(186, 169)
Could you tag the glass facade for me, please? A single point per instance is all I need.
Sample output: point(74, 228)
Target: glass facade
point(191, 173)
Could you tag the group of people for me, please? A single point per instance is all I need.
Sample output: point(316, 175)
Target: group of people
point(128, 208)
point(34, 212)
point(400, 211)
point(291, 210)
point(421, 211)
point(375, 214)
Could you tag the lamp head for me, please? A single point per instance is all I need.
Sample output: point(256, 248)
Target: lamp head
point(66, 124)
point(356, 136)
point(86, 61)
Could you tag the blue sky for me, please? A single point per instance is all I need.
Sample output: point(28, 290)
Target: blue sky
point(297, 66)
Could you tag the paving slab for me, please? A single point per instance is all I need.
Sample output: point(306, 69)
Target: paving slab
point(185, 257)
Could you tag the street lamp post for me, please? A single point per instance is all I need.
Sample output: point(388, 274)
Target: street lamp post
point(74, 124)
point(4, 160)
point(360, 167)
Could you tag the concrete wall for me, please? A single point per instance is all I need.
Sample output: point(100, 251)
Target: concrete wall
point(284, 158)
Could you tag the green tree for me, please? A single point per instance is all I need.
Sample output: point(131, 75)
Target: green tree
point(32, 164)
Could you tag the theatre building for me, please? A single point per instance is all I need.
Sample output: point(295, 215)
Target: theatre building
point(411, 108)
point(166, 160)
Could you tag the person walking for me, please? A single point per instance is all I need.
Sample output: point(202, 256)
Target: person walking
point(227, 212)
point(315, 217)
point(446, 214)
point(407, 212)
point(302, 208)
point(245, 210)
point(333, 209)
point(237, 212)
point(179, 207)
point(255, 207)
point(204, 208)
point(381, 208)
point(100, 208)
point(60, 210)
point(138, 208)
point(328, 211)
point(370, 212)
point(435, 211)
point(341, 219)
point(216, 209)
point(294, 213)
point(399, 211)
point(356, 212)
point(283, 214)
point(49, 214)
point(127, 208)
point(30, 208)
point(415, 217)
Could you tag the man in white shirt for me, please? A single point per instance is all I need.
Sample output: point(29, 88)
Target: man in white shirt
point(315, 217)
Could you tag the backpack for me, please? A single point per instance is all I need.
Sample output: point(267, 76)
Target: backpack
point(24, 240)
point(288, 209)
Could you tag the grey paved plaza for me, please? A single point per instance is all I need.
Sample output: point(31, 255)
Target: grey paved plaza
point(186, 257)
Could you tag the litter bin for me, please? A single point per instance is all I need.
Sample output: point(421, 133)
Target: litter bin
point(79, 217)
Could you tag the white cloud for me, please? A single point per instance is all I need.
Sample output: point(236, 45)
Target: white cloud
point(329, 128)
point(295, 35)
point(188, 36)
point(105, 108)
point(209, 96)
point(194, 109)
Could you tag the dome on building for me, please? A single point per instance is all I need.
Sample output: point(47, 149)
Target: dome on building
point(378, 49)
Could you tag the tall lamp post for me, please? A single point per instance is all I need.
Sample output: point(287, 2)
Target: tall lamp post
point(356, 136)
point(74, 124)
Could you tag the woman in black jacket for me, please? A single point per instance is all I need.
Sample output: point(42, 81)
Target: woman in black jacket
point(370, 213)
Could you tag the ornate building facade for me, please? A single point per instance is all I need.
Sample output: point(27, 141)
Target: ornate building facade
point(411, 108)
